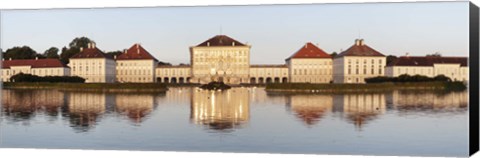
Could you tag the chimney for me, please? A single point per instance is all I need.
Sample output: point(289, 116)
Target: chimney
point(138, 48)
point(81, 49)
point(208, 44)
point(93, 44)
point(36, 58)
point(125, 51)
point(306, 45)
point(361, 42)
point(115, 57)
point(407, 54)
point(89, 45)
point(233, 43)
point(357, 42)
point(9, 58)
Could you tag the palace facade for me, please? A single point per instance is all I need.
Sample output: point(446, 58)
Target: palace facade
point(357, 63)
point(222, 58)
point(39, 67)
point(93, 65)
point(456, 68)
point(135, 65)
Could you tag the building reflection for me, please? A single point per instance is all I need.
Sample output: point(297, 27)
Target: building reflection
point(310, 108)
point(430, 102)
point(360, 108)
point(135, 106)
point(220, 111)
point(85, 109)
point(23, 104)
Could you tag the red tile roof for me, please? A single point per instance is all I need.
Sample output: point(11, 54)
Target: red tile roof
point(359, 49)
point(428, 61)
point(34, 63)
point(310, 51)
point(221, 40)
point(136, 52)
point(92, 52)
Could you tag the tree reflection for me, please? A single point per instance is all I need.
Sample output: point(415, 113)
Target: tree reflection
point(220, 111)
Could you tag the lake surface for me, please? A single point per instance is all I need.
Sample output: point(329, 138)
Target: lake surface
point(410, 123)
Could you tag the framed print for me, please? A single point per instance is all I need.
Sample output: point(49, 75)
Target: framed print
point(373, 79)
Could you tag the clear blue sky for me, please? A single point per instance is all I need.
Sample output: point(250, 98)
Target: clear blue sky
point(274, 31)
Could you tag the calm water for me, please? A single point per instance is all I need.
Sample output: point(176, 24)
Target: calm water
point(239, 120)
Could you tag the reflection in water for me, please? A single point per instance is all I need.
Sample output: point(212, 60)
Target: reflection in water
point(85, 108)
point(20, 105)
point(429, 102)
point(360, 108)
point(310, 108)
point(221, 111)
point(135, 106)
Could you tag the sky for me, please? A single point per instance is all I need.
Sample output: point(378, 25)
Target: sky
point(274, 31)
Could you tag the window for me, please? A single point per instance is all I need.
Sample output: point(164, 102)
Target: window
point(380, 71)
point(349, 69)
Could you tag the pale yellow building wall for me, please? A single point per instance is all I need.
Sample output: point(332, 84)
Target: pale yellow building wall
point(453, 71)
point(355, 68)
point(51, 71)
point(272, 74)
point(94, 70)
point(169, 74)
point(230, 63)
point(142, 71)
point(311, 70)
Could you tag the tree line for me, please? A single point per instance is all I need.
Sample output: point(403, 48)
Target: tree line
point(25, 52)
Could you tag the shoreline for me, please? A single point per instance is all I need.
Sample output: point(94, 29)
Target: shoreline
point(271, 88)
point(90, 87)
point(363, 88)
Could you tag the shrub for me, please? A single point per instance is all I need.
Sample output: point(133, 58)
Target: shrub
point(408, 78)
point(34, 78)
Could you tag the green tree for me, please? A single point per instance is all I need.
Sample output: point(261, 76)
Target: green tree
point(51, 53)
point(334, 54)
point(75, 45)
point(391, 58)
point(80, 42)
point(114, 53)
point(23, 52)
